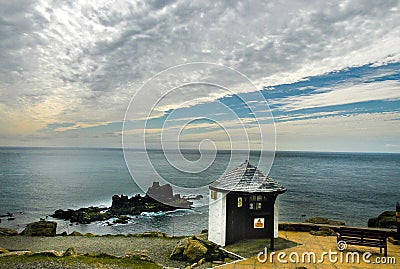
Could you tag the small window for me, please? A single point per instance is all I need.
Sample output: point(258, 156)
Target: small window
point(251, 206)
point(258, 206)
point(253, 198)
point(259, 198)
point(213, 195)
point(239, 202)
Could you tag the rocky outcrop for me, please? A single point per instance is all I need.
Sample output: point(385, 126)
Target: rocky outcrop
point(40, 228)
point(385, 220)
point(158, 198)
point(320, 220)
point(198, 248)
point(6, 231)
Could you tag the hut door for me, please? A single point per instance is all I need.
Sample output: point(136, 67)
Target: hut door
point(235, 219)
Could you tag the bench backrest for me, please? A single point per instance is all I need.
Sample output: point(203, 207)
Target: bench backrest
point(364, 233)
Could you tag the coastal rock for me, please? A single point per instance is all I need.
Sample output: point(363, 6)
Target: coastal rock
point(3, 250)
point(195, 251)
point(70, 252)
point(320, 220)
point(6, 231)
point(40, 228)
point(196, 248)
point(385, 220)
point(177, 252)
point(49, 253)
point(123, 205)
point(323, 231)
point(75, 233)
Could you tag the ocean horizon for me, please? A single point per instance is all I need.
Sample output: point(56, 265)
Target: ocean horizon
point(36, 181)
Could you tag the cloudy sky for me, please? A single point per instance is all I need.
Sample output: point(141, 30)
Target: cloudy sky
point(330, 71)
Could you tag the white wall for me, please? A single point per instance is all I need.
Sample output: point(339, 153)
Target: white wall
point(217, 219)
point(276, 217)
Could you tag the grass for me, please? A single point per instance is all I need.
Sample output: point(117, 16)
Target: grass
point(93, 260)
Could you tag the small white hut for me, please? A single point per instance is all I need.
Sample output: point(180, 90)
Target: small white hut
point(243, 205)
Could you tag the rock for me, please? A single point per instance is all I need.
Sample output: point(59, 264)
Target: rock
point(323, 231)
point(195, 251)
point(320, 220)
point(178, 251)
point(17, 253)
point(6, 231)
point(385, 220)
point(49, 253)
point(123, 219)
point(70, 252)
point(123, 205)
point(89, 235)
point(63, 234)
point(75, 233)
point(201, 261)
point(204, 231)
point(3, 250)
point(40, 228)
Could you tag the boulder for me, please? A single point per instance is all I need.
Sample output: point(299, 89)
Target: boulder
point(70, 252)
point(40, 228)
point(195, 251)
point(6, 231)
point(385, 220)
point(320, 220)
point(177, 252)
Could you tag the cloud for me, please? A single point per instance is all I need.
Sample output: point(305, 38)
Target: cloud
point(344, 94)
point(363, 132)
point(81, 61)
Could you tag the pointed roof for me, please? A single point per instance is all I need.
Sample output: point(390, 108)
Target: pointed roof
point(246, 178)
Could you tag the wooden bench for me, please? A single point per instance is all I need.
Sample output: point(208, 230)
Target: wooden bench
point(363, 237)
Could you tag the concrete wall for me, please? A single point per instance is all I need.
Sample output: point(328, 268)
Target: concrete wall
point(217, 219)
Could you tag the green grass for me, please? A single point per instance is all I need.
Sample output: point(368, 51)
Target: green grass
point(94, 260)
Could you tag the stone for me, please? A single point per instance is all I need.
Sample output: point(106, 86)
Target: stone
point(8, 232)
point(70, 252)
point(195, 251)
point(323, 231)
point(75, 233)
point(320, 220)
point(201, 261)
point(41, 228)
point(3, 250)
point(178, 251)
point(386, 219)
point(49, 253)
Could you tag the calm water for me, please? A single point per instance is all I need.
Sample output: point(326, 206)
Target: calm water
point(36, 181)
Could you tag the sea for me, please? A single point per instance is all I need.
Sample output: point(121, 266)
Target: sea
point(34, 182)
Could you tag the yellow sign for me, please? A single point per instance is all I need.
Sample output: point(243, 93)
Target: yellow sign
point(240, 202)
point(258, 223)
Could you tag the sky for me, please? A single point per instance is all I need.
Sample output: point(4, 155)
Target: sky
point(327, 73)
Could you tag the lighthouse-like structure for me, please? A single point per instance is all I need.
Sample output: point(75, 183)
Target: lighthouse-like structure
point(243, 205)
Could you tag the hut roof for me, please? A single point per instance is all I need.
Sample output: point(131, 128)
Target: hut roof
point(246, 178)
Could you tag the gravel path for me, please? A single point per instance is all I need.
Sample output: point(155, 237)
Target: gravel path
point(156, 248)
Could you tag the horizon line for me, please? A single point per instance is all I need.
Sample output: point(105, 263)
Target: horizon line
point(191, 149)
